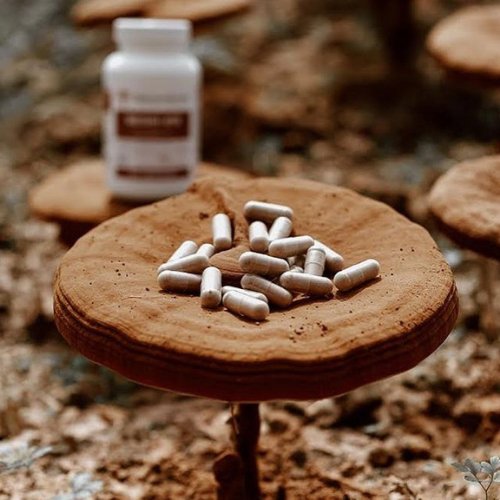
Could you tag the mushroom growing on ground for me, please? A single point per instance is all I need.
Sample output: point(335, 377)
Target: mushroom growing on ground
point(466, 204)
point(95, 12)
point(196, 10)
point(396, 27)
point(77, 199)
point(468, 42)
point(108, 306)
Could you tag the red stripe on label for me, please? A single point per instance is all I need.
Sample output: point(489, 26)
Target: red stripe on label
point(144, 173)
point(172, 125)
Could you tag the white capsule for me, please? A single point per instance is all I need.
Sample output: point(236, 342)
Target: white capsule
point(286, 247)
point(258, 263)
point(206, 249)
point(177, 281)
point(211, 284)
point(296, 269)
point(260, 210)
point(186, 248)
point(333, 262)
point(250, 293)
point(356, 275)
point(191, 264)
point(306, 283)
point(275, 293)
point(221, 232)
point(244, 305)
point(297, 260)
point(281, 228)
point(258, 236)
point(315, 261)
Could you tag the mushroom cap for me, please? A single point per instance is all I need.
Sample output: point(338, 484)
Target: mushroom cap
point(94, 12)
point(109, 307)
point(466, 204)
point(196, 10)
point(468, 41)
point(77, 198)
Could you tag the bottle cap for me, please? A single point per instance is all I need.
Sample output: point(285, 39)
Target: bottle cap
point(168, 34)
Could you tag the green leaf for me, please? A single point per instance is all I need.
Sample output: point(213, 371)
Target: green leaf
point(473, 466)
point(496, 478)
point(495, 462)
point(460, 467)
point(487, 468)
point(471, 478)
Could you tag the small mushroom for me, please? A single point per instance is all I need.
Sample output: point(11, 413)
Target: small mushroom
point(466, 205)
point(196, 10)
point(77, 199)
point(95, 12)
point(468, 42)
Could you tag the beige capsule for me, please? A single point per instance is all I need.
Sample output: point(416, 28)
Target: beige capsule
point(357, 274)
point(258, 236)
point(255, 295)
point(221, 232)
point(333, 262)
point(258, 263)
point(315, 261)
point(286, 247)
point(275, 293)
point(206, 249)
point(244, 305)
point(191, 264)
point(211, 284)
point(178, 281)
point(296, 269)
point(306, 283)
point(267, 212)
point(281, 228)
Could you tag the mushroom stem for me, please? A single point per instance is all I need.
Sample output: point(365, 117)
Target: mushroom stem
point(490, 314)
point(247, 421)
point(396, 28)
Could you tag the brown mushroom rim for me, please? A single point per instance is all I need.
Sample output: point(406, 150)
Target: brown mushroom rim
point(78, 193)
point(95, 12)
point(468, 41)
point(466, 203)
point(195, 10)
point(109, 307)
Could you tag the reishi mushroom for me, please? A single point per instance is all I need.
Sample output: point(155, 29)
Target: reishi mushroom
point(468, 42)
point(466, 205)
point(357, 337)
point(77, 199)
point(95, 12)
point(196, 10)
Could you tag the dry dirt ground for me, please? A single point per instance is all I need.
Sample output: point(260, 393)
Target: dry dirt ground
point(294, 88)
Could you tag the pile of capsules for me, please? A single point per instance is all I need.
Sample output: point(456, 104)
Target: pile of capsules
point(278, 266)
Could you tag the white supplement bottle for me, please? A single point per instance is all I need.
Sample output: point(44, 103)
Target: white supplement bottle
point(151, 124)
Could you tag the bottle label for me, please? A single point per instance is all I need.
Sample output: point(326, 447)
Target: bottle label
point(153, 125)
point(150, 137)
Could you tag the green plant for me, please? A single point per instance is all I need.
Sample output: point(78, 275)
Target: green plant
point(14, 458)
point(83, 485)
point(484, 473)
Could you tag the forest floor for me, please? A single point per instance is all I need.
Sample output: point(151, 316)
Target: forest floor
point(292, 88)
